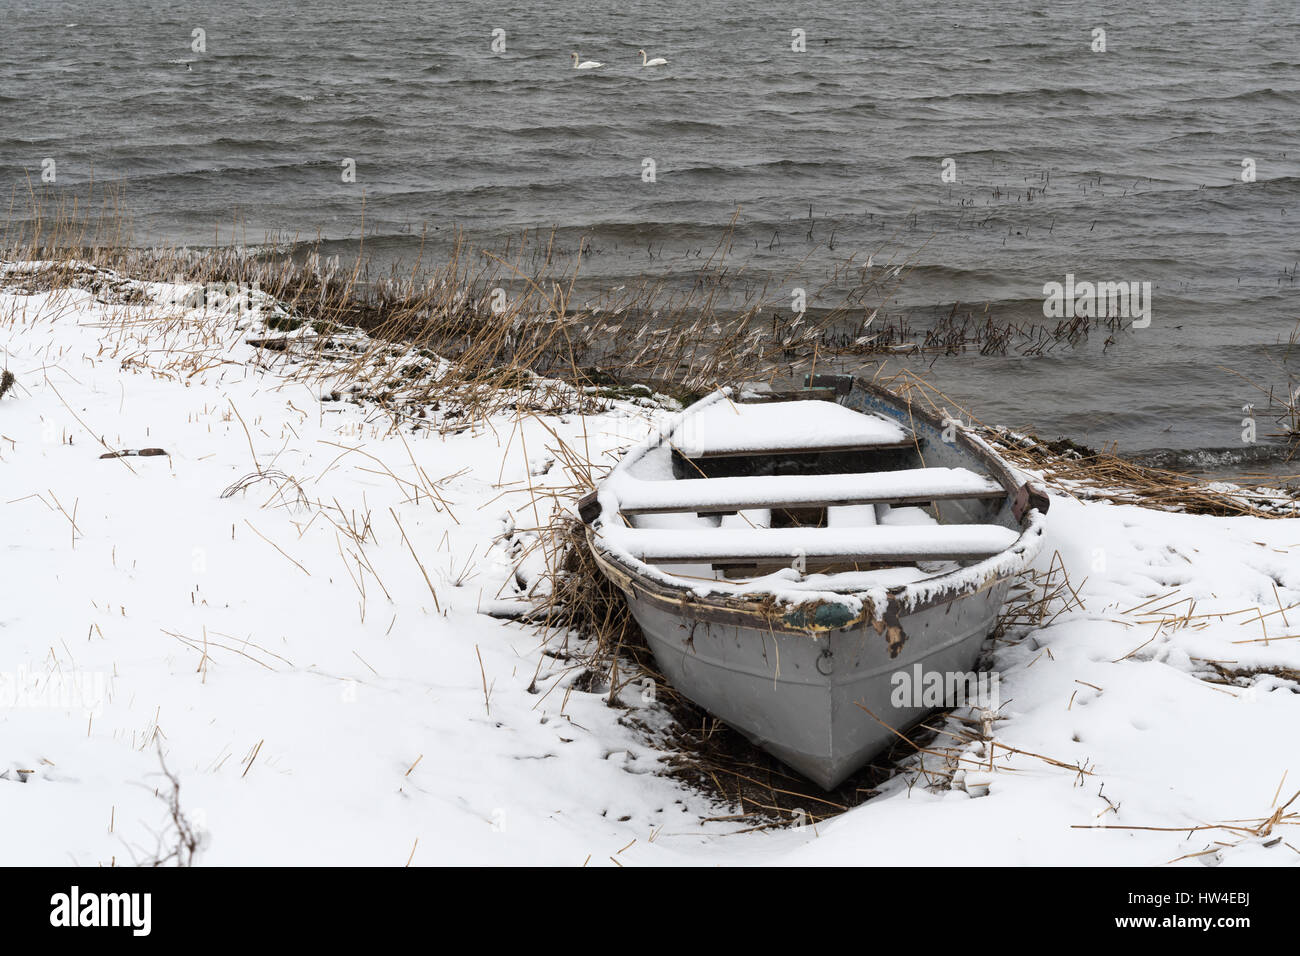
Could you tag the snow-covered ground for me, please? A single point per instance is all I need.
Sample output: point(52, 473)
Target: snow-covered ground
point(309, 653)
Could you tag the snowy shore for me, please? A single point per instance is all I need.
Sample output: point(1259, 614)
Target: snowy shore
point(288, 604)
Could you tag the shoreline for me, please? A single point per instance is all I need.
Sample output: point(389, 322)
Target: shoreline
point(958, 351)
point(1073, 376)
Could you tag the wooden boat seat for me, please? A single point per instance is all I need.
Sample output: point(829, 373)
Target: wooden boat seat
point(727, 495)
point(729, 430)
point(880, 544)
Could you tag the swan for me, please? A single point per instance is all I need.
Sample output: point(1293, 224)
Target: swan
point(657, 61)
point(585, 64)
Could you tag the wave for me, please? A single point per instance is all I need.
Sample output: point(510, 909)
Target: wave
point(1201, 459)
point(1265, 92)
point(1004, 96)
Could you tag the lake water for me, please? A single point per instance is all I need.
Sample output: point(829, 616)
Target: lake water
point(1123, 165)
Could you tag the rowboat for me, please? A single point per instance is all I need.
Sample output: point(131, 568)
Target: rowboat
point(798, 560)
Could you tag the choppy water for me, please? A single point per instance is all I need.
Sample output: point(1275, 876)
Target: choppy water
point(1123, 165)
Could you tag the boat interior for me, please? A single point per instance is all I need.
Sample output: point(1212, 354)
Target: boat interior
point(806, 486)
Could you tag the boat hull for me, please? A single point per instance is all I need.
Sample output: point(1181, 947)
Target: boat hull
point(826, 680)
point(809, 698)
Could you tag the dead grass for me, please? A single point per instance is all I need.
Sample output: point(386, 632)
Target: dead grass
point(1088, 474)
point(481, 331)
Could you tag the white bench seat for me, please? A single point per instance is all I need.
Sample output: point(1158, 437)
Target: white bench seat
point(727, 430)
point(726, 495)
point(877, 544)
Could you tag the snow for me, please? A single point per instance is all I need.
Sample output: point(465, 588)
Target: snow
point(727, 428)
point(852, 516)
point(706, 494)
point(907, 516)
point(904, 542)
point(311, 723)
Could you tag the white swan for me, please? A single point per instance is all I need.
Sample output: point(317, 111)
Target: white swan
point(585, 64)
point(657, 61)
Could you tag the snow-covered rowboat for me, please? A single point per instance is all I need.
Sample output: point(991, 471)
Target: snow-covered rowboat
point(797, 561)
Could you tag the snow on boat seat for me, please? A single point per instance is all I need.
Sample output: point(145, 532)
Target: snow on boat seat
point(882, 543)
point(850, 516)
point(725, 495)
point(724, 429)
